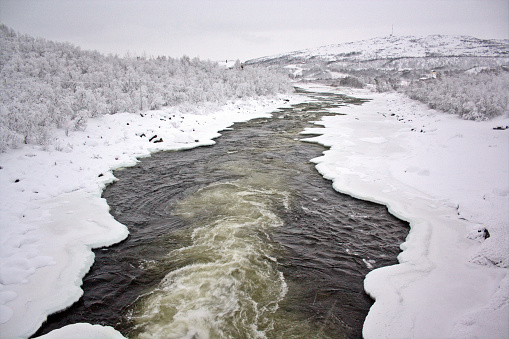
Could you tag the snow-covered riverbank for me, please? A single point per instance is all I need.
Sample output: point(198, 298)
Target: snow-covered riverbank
point(450, 179)
point(447, 176)
point(52, 213)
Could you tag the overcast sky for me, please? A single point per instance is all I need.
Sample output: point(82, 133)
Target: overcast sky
point(244, 29)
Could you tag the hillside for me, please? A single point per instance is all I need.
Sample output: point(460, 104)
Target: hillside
point(456, 74)
point(395, 47)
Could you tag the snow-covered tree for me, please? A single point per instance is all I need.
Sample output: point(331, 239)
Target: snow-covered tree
point(46, 85)
point(478, 96)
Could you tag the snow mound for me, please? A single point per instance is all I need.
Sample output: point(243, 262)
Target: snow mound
point(83, 331)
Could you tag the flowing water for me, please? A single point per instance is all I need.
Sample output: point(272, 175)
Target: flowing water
point(243, 239)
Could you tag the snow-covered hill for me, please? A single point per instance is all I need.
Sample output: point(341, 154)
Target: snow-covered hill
point(406, 64)
point(391, 47)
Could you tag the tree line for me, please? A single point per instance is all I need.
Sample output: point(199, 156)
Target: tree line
point(46, 85)
point(471, 94)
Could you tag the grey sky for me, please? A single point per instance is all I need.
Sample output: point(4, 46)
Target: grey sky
point(244, 29)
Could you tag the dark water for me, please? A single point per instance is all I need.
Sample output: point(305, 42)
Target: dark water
point(242, 239)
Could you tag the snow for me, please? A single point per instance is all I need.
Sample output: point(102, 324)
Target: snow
point(450, 179)
point(400, 47)
point(52, 213)
point(84, 331)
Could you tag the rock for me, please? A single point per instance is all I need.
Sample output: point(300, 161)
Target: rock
point(486, 233)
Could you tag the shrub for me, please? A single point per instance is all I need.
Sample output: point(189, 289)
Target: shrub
point(351, 81)
point(479, 96)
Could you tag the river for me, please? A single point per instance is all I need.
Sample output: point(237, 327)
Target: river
point(242, 239)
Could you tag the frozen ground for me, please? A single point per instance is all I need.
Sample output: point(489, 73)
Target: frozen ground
point(52, 213)
point(450, 179)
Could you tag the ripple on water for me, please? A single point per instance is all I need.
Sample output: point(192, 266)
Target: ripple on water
point(227, 281)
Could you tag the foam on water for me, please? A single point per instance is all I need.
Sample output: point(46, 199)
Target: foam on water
point(227, 283)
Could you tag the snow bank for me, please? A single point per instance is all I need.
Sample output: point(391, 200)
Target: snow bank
point(450, 179)
point(84, 331)
point(52, 213)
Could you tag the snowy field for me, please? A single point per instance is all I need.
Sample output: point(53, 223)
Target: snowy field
point(448, 177)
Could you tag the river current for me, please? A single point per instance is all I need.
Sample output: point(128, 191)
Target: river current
point(242, 239)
